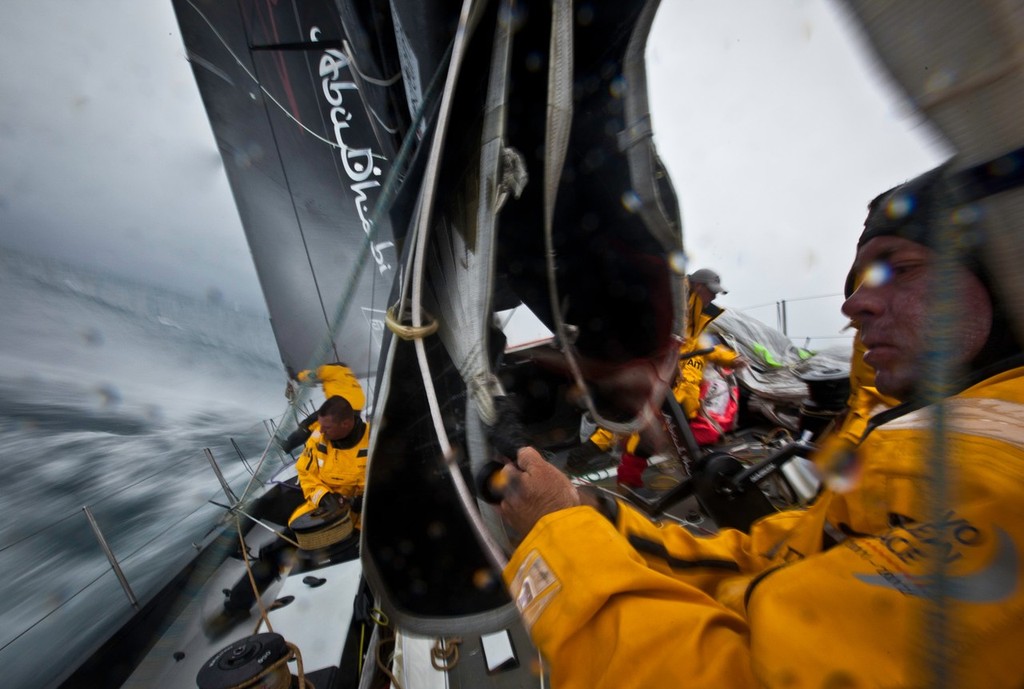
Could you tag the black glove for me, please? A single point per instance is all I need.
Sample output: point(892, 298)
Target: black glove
point(331, 503)
point(296, 438)
point(300, 435)
point(507, 434)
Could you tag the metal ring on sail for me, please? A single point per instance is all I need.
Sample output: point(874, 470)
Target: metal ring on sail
point(408, 332)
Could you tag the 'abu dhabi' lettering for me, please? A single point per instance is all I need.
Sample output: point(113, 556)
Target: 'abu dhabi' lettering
point(358, 163)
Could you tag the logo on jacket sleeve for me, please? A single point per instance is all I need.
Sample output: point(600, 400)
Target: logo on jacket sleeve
point(533, 587)
point(904, 559)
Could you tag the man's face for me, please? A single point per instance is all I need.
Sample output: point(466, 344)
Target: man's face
point(705, 294)
point(891, 305)
point(334, 428)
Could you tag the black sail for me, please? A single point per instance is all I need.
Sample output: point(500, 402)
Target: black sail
point(297, 130)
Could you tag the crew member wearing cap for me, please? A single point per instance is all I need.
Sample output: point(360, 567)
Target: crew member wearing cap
point(908, 577)
point(704, 286)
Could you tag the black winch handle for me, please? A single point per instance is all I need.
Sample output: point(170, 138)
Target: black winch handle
point(507, 434)
point(508, 437)
point(486, 480)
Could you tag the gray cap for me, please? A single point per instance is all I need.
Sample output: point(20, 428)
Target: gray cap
point(710, 278)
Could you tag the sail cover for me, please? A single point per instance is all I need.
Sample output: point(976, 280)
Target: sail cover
point(297, 126)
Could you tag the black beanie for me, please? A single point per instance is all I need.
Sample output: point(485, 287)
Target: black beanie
point(911, 209)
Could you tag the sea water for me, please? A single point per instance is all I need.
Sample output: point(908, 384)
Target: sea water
point(109, 392)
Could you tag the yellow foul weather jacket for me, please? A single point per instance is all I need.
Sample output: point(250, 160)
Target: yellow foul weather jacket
point(864, 402)
point(691, 368)
point(332, 467)
point(686, 388)
point(840, 594)
point(337, 379)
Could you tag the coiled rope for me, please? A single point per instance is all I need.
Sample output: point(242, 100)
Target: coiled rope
point(294, 652)
point(445, 656)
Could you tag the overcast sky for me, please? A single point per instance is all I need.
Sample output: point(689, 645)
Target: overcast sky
point(106, 155)
point(777, 130)
point(774, 130)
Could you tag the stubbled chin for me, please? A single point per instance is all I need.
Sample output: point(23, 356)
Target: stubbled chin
point(889, 382)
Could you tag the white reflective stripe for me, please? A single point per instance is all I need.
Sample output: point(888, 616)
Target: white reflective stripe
point(983, 417)
point(317, 494)
point(877, 409)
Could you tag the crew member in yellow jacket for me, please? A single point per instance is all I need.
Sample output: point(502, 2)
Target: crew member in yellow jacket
point(704, 286)
point(907, 579)
point(336, 379)
point(333, 462)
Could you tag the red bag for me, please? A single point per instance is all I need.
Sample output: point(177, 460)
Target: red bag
point(719, 405)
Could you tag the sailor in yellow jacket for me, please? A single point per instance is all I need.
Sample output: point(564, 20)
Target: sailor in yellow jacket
point(892, 583)
point(336, 379)
point(333, 462)
point(703, 286)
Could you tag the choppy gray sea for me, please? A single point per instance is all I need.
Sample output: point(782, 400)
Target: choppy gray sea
point(109, 392)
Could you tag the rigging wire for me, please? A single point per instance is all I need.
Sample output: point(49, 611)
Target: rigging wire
point(358, 75)
point(263, 89)
point(288, 186)
point(241, 456)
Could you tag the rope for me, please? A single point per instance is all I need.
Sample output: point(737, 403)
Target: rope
point(445, 657)
point(381, 665)
point(300, 672)
point(279, 534)
point(264, 618)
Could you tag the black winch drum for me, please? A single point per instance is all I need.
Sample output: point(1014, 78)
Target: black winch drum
point(829, 390)
point(314, 530)
point(241, 664)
